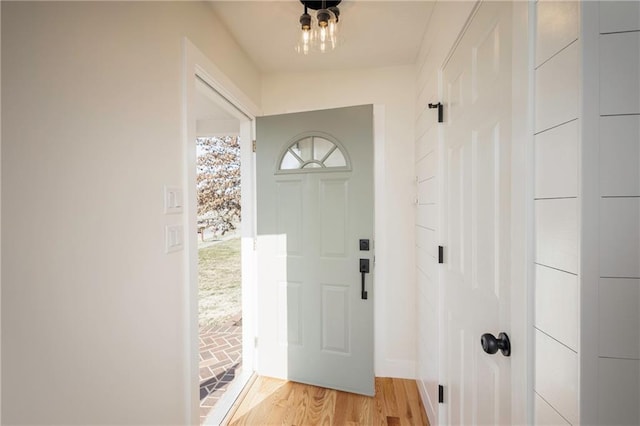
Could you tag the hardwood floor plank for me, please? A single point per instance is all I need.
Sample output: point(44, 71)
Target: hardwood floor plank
point(402, 404)
point(379, 415)
point(391, 405)
point(327, 407)
point(302, 402)
point(290, 402)
point(279, 402)
point(418, 412)
point(342, 407)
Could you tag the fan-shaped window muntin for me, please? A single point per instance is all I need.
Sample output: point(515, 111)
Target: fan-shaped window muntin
point(313, 152)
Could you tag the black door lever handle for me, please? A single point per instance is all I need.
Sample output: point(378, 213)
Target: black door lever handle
point(364, 269)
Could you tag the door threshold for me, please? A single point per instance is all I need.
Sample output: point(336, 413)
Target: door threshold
point(223, 411)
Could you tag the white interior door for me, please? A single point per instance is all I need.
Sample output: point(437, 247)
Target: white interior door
point(315, 204)
point(476, 218)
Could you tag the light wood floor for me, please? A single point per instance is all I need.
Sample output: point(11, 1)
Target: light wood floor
point(269, 401)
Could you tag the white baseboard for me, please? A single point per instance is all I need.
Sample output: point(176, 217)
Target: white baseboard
point(398, 368)
point(429, 406)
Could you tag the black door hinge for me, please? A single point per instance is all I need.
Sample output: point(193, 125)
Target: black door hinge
point(440, 254)
point(440, 111)
point(440, 394)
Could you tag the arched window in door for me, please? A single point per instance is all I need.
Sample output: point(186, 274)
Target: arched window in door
point(313, 152)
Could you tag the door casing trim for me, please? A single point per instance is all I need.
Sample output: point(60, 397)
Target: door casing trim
point(196, 64)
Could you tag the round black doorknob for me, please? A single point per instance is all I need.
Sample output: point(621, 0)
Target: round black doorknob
point(491, 345)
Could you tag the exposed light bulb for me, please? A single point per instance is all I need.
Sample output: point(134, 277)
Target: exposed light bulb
point(323, 34)
point(304, 43)
point(319, 30)
point(306, 35)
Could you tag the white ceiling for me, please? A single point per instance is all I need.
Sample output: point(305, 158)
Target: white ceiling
point(373, 33)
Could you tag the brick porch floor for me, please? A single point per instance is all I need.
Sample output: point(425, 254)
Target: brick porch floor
point(220, 360)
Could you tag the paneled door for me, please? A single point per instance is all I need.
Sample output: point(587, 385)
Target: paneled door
point(315, 205)
point(476, 219)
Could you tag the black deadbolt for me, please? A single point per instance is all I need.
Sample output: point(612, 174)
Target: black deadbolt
point(491, 345)
point(364, 245)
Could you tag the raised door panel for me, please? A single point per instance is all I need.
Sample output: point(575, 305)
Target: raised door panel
point(336, 324)
point(334, 217)
point(289, 217)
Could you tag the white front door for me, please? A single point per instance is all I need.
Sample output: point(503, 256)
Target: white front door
point(476, 218)
point(315, 204)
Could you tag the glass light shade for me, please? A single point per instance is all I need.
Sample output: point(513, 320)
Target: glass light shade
point(306, 38)
point(320, 38)
point(328, 35)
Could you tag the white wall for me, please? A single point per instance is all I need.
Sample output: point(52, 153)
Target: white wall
point(394, 89)
point(610, 374)
point(445, 23)
point(0, 218)
point(93, 310)
point(556, 192)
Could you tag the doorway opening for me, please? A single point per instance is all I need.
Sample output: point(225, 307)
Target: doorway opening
point(219, 266)
point(220, 246)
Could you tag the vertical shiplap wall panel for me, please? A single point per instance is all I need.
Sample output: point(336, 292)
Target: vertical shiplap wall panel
point(620, 73)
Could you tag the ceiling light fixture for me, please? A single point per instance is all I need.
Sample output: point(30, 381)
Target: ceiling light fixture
point(319, 32)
